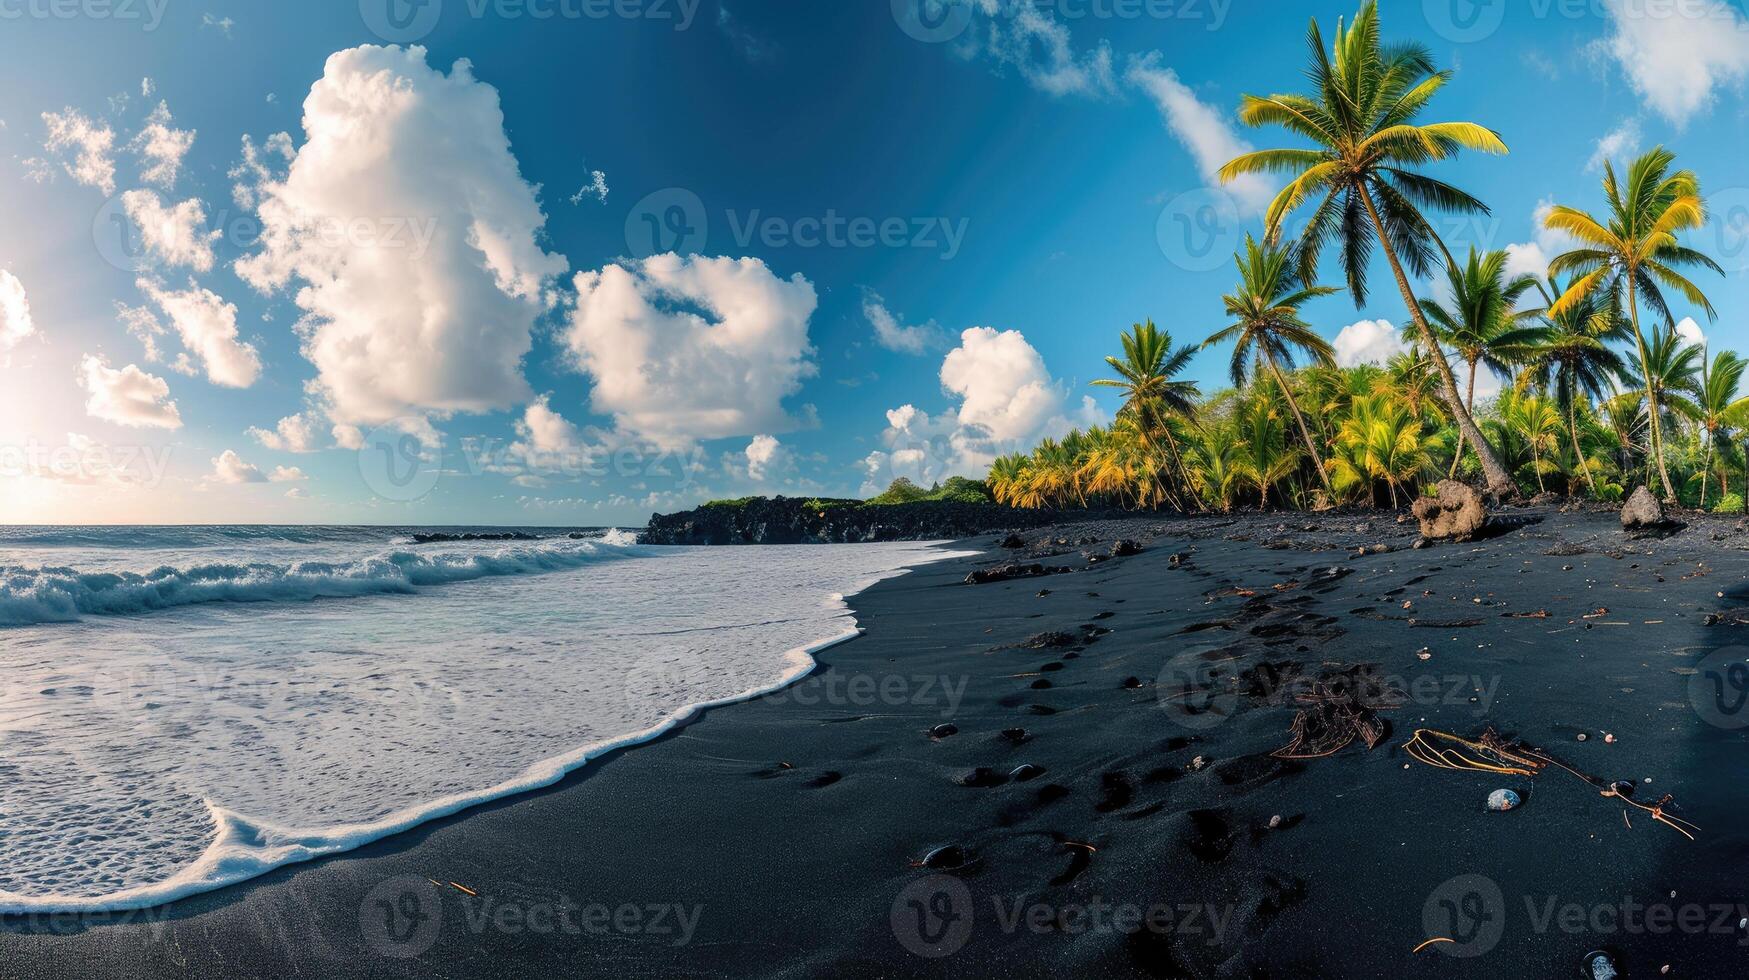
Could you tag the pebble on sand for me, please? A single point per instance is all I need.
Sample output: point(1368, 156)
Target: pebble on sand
point(1502, 800)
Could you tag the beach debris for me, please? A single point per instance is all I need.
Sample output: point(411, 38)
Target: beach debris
point(1124, 548)
point(1015, 735)
point(943, 731)
point(1338, 708)
point(1198, 764)
point(1433, 942)
point(1454, 514)
point(1608, 739)
point(1005, 573)
point(1583, 736)
point(1424, 654)
point(1490, 752)
point(1502, 800)
point(1275, 822)
point(1026, 771)
point(1727, 617)
point(1012, 541)
point(1642, 510)
point(464, 890)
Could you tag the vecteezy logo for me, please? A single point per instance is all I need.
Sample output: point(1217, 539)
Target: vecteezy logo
point(1719, 688)
point(1730, 220)
point(397, 465)
point(933, 21)
point(117, 238)
point(670, 220)
point(1468, 910)
point(401, 917)
point(400, 21)
point(932, 917)
point(1464, 21)
point(1199, 230)
point(1192, 691)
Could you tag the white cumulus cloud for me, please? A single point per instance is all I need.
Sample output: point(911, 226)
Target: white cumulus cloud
point(1690, 331)
point(128, 396)
point(1367, 342)
point(286, 474)
point(15, 321)
point(208, 328)
point(85, 148)
point(1007, 401)
point(162, 147)
point(293, 434)
point(416, 240)
point(682, 349)
point(174, 235)
point(767, 459)
point(1002, 383)
point(228, 467)
point(1620, 142)
point(892, 334)
point(1678, 56)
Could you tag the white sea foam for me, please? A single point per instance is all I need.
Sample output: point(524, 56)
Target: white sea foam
point(149, 757)
point(62, 595)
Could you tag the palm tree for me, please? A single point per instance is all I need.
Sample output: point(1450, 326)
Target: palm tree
point(1263, 458)
point(1367, 146)
point(1145, 376)
point(1534, 422)
point(1672, 379)
point(1007, 474)
point(1269, 329)
point(1412, 379)
point(1381, 440)
point(1571, 357)
point(1482, 325)
point(1722, 410)
point(1217, 469)
point(1635, 256)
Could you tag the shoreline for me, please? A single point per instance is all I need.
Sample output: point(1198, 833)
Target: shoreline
point(799, 868)
point(242, 849)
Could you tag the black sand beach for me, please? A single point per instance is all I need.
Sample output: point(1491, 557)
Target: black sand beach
point(787, 836)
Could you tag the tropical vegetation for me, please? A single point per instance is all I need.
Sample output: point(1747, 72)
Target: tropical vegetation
point(1605, 384)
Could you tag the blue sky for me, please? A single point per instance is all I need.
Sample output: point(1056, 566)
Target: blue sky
point(457, 319)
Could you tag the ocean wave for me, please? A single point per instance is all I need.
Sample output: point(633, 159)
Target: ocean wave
point(242, 847)
point(30, 596)
point(129, 537)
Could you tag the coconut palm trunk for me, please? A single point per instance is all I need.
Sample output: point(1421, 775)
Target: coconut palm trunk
point(1579, 453)
point(1499, 481)
point(1305, 433)
point(1651, 394)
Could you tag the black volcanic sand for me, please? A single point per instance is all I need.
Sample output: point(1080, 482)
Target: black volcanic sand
point(1140, 841)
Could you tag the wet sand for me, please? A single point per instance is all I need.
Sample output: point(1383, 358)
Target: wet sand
point(1105, 803)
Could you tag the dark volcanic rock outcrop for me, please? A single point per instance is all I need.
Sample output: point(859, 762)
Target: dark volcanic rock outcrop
point(785, 520)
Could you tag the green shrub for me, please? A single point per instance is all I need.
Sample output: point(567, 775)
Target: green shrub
point(1730, 503)
point(901, 491)
point(961, 490)
point(737, 502)
point(1611, 493)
